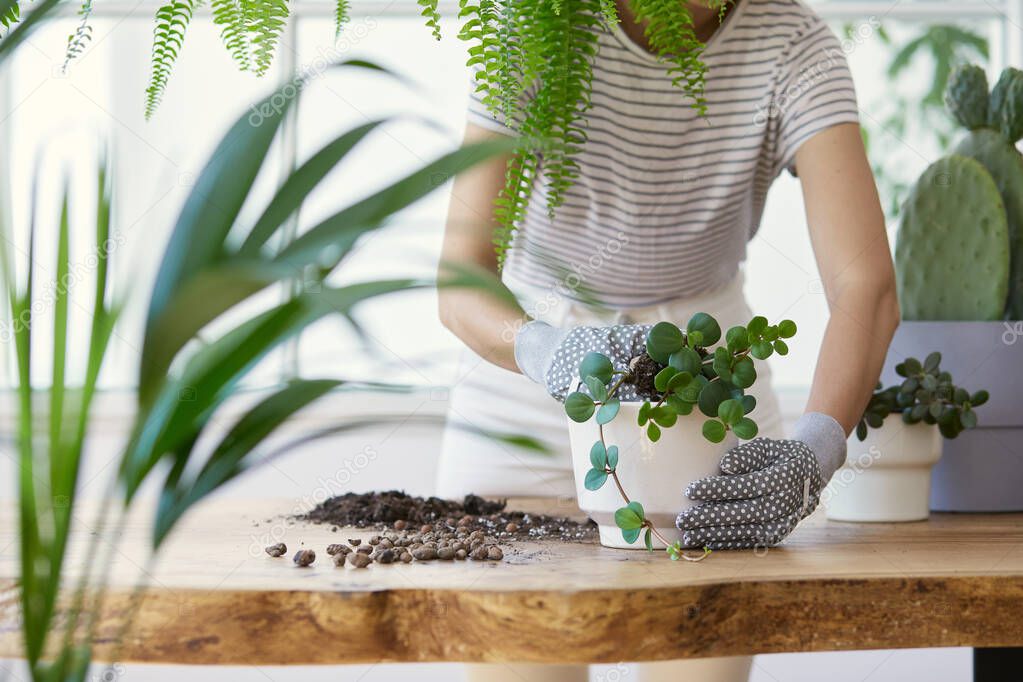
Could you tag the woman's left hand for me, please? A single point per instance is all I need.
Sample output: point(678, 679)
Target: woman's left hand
point(766, 488)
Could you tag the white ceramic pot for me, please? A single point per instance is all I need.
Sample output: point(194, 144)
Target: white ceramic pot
point(886, 477)
point(653, 474)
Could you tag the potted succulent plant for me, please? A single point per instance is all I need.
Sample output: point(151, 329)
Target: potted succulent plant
point(633, 459)
point(887, 475)
point(959, 267)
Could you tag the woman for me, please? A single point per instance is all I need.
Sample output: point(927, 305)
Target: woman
point(655, 228)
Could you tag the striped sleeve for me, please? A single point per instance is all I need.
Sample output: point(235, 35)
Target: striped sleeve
point(815, 91)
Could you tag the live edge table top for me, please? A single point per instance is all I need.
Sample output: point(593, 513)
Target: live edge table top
point(215, 598)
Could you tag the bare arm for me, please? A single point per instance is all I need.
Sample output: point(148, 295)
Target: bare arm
point(853, 256)
point(482, 321)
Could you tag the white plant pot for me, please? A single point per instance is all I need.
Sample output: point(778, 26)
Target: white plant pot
point(886, 477)
point(653, 474)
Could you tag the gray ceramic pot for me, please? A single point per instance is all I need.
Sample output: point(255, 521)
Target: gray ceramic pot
point(982, 469)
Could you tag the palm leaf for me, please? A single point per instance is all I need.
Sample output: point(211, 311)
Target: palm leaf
point(227, 460)
point(26, 27)
point(299, 184)
point(214, 369)
point(340, 231)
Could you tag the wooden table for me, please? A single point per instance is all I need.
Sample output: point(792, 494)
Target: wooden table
point(216, 598)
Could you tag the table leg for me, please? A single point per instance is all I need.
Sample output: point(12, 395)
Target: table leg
point(997, 665)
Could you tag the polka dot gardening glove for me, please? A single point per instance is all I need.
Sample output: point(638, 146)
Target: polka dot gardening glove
point(765, 489)
point(551, 355)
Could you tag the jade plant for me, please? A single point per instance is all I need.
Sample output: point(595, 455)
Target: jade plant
point(926, 394)
point(680, 372)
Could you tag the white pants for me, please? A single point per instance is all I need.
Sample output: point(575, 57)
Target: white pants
point(490, 399)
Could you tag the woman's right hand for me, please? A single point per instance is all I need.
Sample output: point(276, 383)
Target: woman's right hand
point(551, 355)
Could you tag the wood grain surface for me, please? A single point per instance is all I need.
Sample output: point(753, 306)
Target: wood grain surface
point(216, 598)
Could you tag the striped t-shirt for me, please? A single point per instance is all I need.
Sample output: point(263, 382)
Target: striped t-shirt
point(666, 200)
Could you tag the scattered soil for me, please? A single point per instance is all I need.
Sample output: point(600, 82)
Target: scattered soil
point(304, 557)
point(398, 511)
point(280, 549)
point(429, 529)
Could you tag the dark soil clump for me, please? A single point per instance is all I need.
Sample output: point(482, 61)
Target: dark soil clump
point(395, 508)
point(643, 369)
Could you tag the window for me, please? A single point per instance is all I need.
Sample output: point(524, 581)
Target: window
point(102, 98)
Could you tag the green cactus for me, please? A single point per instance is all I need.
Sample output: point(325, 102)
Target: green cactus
point(993, 145)
point(952, 251)
point(1005, 112)
point(966, 96)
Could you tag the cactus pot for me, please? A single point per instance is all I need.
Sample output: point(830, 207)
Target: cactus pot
point(654, 474)
point(982, 469)
point(886, 477)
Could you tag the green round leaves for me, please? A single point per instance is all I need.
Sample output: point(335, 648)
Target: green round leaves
point(737, 339)
point(597, 366)
point(608, 411)
point(713, 430)
point(786, 329)
point(630, 519)
point(579, 407)
point(595, 479)
point(744, 374)
point(598, 455)
point(730, 412)
point(686, 360)
point(707, 326)
point(745, 428)
point(762, 350)
point(662, 340)
point(712, 395)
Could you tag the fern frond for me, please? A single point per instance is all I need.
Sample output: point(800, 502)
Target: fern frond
point(266, 20)
point(555, 48)
point(342, 14)
point(533, 66)
point(171, 22)
point(79, 40)
point(10, 16)
point(230, 17)
point(432, 14)
point(610, 11)
point(669, 31)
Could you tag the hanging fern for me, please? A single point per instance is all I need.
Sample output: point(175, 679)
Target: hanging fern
point(342, 11)
point(533, 64)
point(77, 41)
point(670, 33)
point(10, 15)
point(432, 14)
point(533, 61)
point(251, 30)
point(230, 17)
point(266, 20)
point(171, 21)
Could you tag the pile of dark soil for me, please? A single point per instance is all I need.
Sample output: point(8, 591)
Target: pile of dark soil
point(395, 509)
